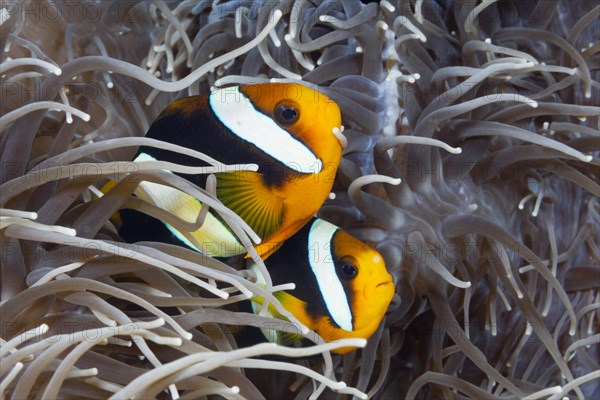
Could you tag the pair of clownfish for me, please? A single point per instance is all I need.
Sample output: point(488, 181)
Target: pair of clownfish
point(342, 286)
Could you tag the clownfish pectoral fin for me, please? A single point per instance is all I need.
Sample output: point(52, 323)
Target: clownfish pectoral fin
point(288, 338)
point(116, 219)
point(108, 186)
point(293, 304)
point(246, 195)
point(297, 308)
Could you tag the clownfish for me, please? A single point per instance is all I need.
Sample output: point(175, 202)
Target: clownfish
point(287, 130)
point(343, 289)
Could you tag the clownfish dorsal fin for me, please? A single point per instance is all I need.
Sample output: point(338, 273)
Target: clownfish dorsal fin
point(245, 194)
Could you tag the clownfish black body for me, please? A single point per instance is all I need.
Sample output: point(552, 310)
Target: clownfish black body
point(287, 130)
point(342, 289)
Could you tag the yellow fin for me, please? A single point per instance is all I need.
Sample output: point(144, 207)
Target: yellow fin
point(291, 303)
point(116, 219)
point(295, 306)
point(265, 249)
point(108, 186)
point(298, 308)
point(288, 338)
point(245, 194)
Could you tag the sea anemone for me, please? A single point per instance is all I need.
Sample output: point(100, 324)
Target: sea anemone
point(471, 165)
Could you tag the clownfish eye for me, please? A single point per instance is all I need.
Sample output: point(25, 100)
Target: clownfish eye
point(286, 114)
point(347, 269)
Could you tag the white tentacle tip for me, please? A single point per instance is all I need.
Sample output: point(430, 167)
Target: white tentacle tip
point(329, 19)
point(157, 323)
point(382, 26)
point(386, 5)
point(457, 282)
point(4, 15)
point(532, 103)
point(56, 71)
point(340, 137)
point(68, 231)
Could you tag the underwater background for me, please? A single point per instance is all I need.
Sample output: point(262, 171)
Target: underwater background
point(486, 111)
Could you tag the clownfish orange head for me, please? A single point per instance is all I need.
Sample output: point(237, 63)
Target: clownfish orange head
point(287, 130)
point(342, 289)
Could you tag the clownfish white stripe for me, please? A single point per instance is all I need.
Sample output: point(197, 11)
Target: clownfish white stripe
point(322, 265)
point(238, 114)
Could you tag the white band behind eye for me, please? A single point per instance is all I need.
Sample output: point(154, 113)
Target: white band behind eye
point(238, 114)
point(323, 267)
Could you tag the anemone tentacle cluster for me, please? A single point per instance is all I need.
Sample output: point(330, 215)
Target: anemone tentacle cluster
point(471, 165)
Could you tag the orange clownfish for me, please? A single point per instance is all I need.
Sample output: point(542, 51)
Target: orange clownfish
point(285, 129)
point(342, 289)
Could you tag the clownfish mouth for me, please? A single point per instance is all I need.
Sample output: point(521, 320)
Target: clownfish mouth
point(384, 283)
point(369, 291)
